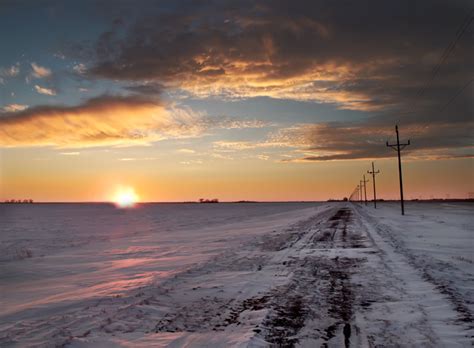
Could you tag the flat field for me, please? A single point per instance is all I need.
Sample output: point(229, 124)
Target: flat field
point(243, 275)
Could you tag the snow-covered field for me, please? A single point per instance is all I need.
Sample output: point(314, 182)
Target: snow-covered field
point(250, 275)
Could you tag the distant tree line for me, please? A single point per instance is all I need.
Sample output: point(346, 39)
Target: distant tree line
point(17, 201)
point(204, 200)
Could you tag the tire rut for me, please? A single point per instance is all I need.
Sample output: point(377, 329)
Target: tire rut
point(319, 288)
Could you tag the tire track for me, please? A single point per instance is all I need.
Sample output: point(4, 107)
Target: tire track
point(320, 288)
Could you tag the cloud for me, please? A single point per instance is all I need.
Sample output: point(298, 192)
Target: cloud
point(14, 107)
point(40, 72)
point(11, 71)
point(146, 89)
point(59, 55)
point(188, 151)
point(235, 145)
point(79, 68)
point(131, 159)
point(250, 145)
point(191, 162)
point(231, 123)
point(361, 140)
point(109, 120)
point(351, 54)
point(105, 120)
point(220, 156)
point(75, 153)
point(350, 141)
point(44, 90)
point(371, 56)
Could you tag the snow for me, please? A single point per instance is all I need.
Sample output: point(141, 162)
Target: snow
point(240, 275)
point(437, 240)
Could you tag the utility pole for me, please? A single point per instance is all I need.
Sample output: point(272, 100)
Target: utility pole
point(398, 147)
point(361, 197)
point(365, 189)
point(373, 172)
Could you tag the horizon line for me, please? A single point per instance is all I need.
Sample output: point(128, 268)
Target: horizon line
point(242, 201)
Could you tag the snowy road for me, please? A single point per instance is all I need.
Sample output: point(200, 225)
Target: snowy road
point(337, 277)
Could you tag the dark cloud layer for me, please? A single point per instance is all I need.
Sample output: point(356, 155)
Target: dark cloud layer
point(374, 56)
point(338, 141)
point(369, 55)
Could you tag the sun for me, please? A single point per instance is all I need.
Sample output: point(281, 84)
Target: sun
point(125, 197)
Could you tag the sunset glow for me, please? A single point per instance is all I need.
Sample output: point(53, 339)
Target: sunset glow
point(257, 103)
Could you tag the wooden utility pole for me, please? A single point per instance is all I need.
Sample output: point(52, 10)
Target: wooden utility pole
point(365, 189)
point(361, 197)
point(398, 147)
point(373, 172)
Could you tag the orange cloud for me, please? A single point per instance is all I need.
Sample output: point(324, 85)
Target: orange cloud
point(323, 82)
point(44, 90)
point(100, 121)
point(40, 71)
point(108, 120)
point(14, 107)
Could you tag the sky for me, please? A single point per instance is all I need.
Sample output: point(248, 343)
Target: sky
point(235, 100)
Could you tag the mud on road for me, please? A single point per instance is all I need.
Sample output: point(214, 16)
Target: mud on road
point(320, 293)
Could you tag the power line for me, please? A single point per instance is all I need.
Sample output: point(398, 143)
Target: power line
point(468, 19)
point(354, 194)
point(456, 95)
point(447, 52)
